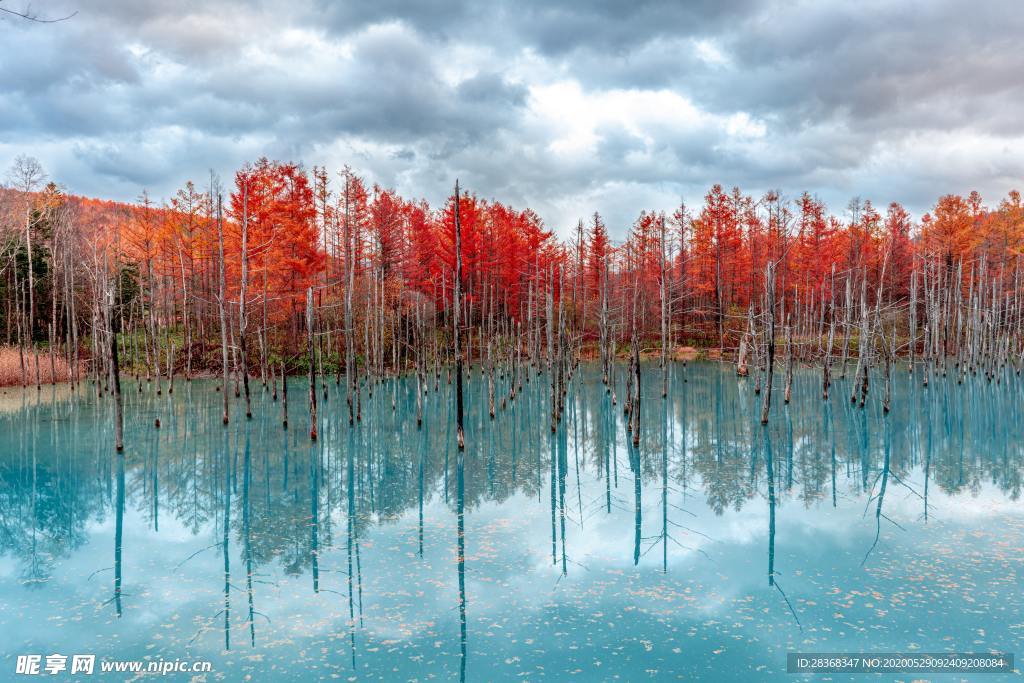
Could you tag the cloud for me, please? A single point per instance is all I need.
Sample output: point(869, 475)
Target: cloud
point(565, 107)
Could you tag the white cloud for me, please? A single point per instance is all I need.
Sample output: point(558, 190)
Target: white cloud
point(710, 53)
point(554, 106)
point(741, 125)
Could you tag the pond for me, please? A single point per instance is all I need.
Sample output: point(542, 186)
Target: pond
point(709, 553)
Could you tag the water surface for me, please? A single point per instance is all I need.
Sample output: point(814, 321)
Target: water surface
point(707, 553)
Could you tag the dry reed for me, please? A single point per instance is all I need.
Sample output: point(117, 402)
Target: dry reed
point(11, 373)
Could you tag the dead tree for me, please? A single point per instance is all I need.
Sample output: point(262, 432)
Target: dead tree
point(789, 363)
point(826, 366)
point(664, 314)
point(769, 309)
point(351, 377)
point(221, 306)
point(606, 351)
point(115, 371)
point(284, 396)
point(456, 332)
point(242, 319)
point(310, 334)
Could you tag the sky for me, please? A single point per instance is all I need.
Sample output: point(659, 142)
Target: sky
point(566, 107)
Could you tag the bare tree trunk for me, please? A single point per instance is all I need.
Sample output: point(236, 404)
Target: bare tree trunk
point(606, 352)
point(312, 364)
point(242, 320)
point(31, 296)
point(264, 339)
point(350, 283)
point(457, 306)
point(421, 386)
point(769, 297)
point(847, 322)
point(913, 321)
point(664, 316)
point(170, 368)
point(634, 410)
point(789, 364)
point(550, 306)
point(826, 366)
point(284, 396)
point(221, 305)
point(490, 367)
point(115, 373)
point(862, 341)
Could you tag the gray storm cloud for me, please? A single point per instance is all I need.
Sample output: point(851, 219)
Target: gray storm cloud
point(565, 107)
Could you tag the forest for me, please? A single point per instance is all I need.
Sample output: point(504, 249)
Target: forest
point(290, 271)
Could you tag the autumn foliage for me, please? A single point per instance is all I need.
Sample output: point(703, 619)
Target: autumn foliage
point(306, 228)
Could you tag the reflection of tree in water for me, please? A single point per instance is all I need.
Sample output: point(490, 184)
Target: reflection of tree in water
point(48, 489)
point(703, 440)
point(42, 523)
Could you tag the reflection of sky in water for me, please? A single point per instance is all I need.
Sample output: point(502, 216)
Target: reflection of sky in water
point(948, 583)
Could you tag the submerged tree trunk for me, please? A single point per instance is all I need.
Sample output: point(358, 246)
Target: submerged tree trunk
point(351, 377)
point(769, 297)
point(221, 304)
point(456, 333)
point(312, 365)
point(284, 396)
point(115, 373)
point(664, 316)
point(242, 319)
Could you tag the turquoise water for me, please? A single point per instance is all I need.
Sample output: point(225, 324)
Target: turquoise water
point(282, 559)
